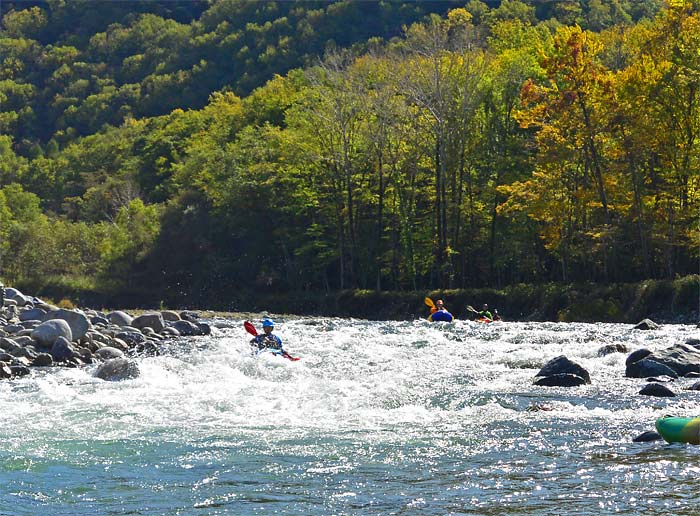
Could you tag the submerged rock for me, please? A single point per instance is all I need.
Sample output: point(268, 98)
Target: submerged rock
point(560, 380)
point(116, 369)
point(647, 437)
point(646, 324)
point(562, 366)
point(612, 348)
point(658, 390)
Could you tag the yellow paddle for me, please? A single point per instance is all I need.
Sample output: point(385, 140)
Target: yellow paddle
point(429, 302)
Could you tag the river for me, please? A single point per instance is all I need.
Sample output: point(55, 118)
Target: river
point(376, 418)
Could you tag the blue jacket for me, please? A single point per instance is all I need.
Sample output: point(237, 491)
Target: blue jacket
point(263, 341)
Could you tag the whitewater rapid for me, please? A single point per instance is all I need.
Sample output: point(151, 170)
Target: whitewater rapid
point(377, 417)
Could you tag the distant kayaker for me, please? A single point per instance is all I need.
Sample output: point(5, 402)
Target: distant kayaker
point(485, 314)
point(439, 312)
point(439, 305)
point(267, 339)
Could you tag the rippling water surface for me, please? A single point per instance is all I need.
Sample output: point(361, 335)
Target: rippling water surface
point(376, 418)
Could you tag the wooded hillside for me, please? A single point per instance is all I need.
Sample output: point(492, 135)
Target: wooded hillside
point(196, 147)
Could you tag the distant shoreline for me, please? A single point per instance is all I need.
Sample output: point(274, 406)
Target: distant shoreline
point(666, 301)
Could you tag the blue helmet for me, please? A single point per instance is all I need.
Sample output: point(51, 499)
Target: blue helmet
point(268, 322)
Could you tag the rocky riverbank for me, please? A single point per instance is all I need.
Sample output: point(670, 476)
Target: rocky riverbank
point(34, 333)
point(664, 301)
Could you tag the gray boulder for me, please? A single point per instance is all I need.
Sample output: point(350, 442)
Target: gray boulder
point(78, 322)
point(43, 360)
point(562, 365)
point(647, 367)
point(108, 352)
point(187, 328)
point(169, 315)
point(647, 437)
point(658, 390)
point(646, 324)
point(15, 295)
point(612, 348)
point(47, 332)
point(62, 350)
point(150, 320)
point(636, 355)
point(32, 314)
point(119, 318)
point(682, 358)
point(117, 369)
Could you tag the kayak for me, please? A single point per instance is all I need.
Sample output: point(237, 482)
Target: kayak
point(441, 315)
point(679, 429)
point(484, 320)
point(277, 353)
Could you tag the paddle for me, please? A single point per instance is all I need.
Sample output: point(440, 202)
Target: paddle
point(429, 302)
point(251, 329)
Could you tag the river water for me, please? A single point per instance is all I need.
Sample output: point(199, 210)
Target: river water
point(376, 418)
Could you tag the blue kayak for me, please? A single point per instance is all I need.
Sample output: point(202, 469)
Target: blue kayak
point(441, 315)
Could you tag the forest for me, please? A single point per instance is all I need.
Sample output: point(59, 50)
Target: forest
point(190, 149)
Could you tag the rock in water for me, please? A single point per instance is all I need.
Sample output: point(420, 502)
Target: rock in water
point(117, 369)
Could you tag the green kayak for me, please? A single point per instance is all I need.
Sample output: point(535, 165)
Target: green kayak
point(679, 429)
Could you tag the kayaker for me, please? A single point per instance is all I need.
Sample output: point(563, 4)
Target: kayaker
point(439, 312)
point(439, 305)
point(485, 313)
point(267, 339)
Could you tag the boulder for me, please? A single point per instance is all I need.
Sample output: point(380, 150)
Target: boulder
point(647, 367)
point(32, 314)
point(636, 355)
point(658, 390)
point(646, 324)
point(62, 350)
point(169, 315)
point(562, 365)
point(108, 352)
point(47, 332)
point(8, 345)
point(19, 370)
point(186, 328)
point(117, 369)
point(189, 315)
point(15, 295)
point(612, 348)
point(131, 338)
point(43, 360)
point(99, 320)
point(78, 322)
point(647, 437)
point(119, 318)
point(682, 358)
point(151, 320)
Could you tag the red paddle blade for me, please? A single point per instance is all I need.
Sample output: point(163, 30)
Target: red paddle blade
point(290, 357)
point(250, 328)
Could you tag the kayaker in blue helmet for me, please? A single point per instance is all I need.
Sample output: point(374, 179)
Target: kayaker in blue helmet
point(267, 339)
